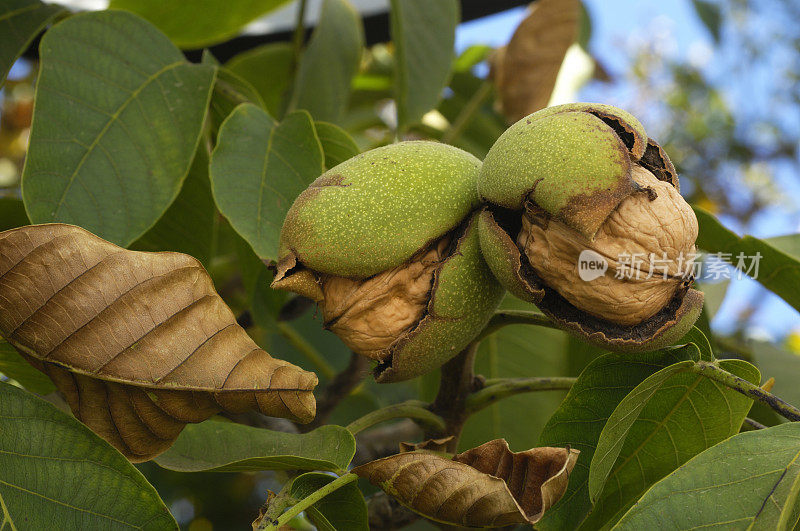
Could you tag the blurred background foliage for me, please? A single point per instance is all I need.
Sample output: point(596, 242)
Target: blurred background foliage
point(716, 82)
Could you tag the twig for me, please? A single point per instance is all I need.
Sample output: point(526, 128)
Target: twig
point(499, 389)
point(299, 33)
point(310, 500)
point(510, 317)
point(467, 113)
point(754, 424)
point(297, 49)
point(338, 389)
point(412, 409)
point(712, 371)
point(458, 380)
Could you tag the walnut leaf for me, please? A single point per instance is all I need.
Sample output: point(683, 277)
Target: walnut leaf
point(138, 343)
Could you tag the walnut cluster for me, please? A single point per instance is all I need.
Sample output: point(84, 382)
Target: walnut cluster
point(369, 315)
point(657, 226)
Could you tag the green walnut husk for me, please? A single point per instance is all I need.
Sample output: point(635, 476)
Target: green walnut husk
point(586, 177)
point(387, 245)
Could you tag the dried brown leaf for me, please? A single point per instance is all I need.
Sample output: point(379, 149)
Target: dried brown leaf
point(432, 445)
point(525, 70)
point(488, 486)
point(139, 343)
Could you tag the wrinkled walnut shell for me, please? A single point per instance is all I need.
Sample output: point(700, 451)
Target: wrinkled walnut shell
point(582, 177)
point(647, 243)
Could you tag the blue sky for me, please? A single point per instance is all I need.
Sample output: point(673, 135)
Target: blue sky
point(617, 27)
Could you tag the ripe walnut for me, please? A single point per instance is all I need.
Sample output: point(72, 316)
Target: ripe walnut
point(586, 177)
point(648, 243)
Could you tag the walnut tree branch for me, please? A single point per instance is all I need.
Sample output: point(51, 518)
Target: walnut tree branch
point(714, 372)
point(458, 380)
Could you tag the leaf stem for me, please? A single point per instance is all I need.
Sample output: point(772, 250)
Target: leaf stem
point(312, 498)
point(412, 409)
point(297, 49)
point(467, 113)
point(712, 371)
point(456, 383)
point(502, 388)
point(299, 33)
point(509, 317)
point(307, 349)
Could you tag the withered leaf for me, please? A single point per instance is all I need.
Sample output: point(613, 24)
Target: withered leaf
point(487, 486)
point(431, 445)
point(139, 343)
point(525, 70)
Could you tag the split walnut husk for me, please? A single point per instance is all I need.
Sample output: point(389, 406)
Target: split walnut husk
point(413, 317)
point(369, 315)
point(587, 183)
point(387, 244)
point(647, 242)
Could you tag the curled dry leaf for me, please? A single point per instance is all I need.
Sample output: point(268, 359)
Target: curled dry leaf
point(487, 486)
point(432, 445)
point(139, 343)
point(525, 70)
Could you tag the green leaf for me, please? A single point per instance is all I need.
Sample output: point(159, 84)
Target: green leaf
point(621, 421)
point(714, 294)
point(199, 23)
point(20, 22)
point(322, 86)
point(783, 366)
point(485, 125)
point(337, 145)
point(789, 244)
point(12, 213)
point(343, 508)
point(268, 69)
point(515, 351)
point(259, 167)
point(227, 447)
point(777, 271)
point(477, 53)
point(15, 367)
point(699, 339)
point(579, 420)
point(686, 414)
point(230, 90)
point(117, 117)
point(188, 225)
point(423, 32)
point(750, 481)
point(56, 474)
point(710, 16)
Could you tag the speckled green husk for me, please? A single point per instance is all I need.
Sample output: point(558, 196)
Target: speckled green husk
point(376, 210)
point(569, 160)
point(573, 162)
point(465, 295)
